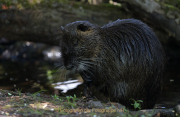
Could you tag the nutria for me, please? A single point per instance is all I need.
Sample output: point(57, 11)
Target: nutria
point(124, 59)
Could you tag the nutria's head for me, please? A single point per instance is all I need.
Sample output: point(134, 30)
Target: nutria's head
point(79, 45)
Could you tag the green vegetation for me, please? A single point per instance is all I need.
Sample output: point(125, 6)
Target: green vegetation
point(19, 91)
point(35, 4)
point(137, 104)
point(21, 4)
point(38, 93)
point(73, 98)
point(71, 103)
point(170, 4)
point(55, 97)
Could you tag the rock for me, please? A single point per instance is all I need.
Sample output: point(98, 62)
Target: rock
point(94, 104)
point(177, 110)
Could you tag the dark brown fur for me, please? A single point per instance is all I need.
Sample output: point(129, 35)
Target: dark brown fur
point(124, 59)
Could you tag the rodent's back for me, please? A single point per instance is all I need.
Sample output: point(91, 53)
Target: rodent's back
point(132, 38)
point(135, 62)
point(133, 45)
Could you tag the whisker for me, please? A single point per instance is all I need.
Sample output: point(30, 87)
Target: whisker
point(57, 71)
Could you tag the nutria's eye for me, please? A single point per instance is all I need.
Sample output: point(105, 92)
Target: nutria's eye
point(82, 27)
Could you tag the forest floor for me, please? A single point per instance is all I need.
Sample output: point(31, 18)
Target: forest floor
point(17, 104)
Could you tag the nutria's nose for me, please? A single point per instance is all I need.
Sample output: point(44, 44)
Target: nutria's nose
point(69, 67)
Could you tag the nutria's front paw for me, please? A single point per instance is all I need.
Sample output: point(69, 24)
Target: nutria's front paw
point(88, 92)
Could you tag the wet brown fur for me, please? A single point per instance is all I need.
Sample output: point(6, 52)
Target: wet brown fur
point(124, 59)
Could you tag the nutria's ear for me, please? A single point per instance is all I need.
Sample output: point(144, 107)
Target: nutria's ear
point(82, 27)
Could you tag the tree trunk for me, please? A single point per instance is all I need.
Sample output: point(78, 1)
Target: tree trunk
point(43, 24)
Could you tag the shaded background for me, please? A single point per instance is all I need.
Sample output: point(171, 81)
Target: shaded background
point(30, 57)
